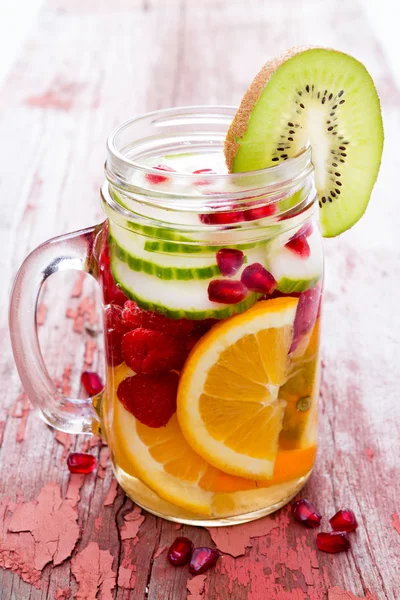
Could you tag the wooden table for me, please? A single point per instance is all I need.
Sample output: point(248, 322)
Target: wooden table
point(87, 66)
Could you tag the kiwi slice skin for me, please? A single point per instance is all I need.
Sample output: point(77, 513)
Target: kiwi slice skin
point(318, 97)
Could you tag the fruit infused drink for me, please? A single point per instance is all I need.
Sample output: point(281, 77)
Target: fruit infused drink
point(212, 337)
point(210, 264)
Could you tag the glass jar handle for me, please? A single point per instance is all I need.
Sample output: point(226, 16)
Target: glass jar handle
point(70, 251)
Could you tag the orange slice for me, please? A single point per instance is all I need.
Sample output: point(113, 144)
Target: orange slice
point(164, 462)
point(228, 405)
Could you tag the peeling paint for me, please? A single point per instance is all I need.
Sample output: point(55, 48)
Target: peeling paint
point(92, 569)
point(86, 309)
point(286, 553)
point(2, 428)
point(132, 523)
point(41, 314)
point(64, 384)
point(37, 533)
point(104, 462)
point(337, 593)
point(127, 573)
point(62, 594)
point(396, 522)
point(65, 439)
point(77, 288)
point(76, 481)
point(235, 540)
point(195, 587)
point(90, 350)
point(61, 95)
point(370, 454)
point(21, 410)
point(112, 493)
point(160, 550)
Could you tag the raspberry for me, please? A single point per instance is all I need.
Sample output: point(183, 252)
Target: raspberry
point(135, 317)
point(151, 352)
point(151, 399)
point(201, 327)
point(113, 347)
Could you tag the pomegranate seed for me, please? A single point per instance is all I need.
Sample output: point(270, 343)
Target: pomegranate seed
point(344, 520)
point(229, 260)
point(80, 462)
point(333, 542)
point(222, 218)
point(261, 212)
point(305, 229)
point(257, 279)
point(306, 314)
point(202, 560)
point(299, 245)
point(205, 172)
point(305, 512)
point(91, 382)
point(152, 178)
point(226, 292)
point(180, 551)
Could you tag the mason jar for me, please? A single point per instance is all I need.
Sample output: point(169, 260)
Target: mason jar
point(211, 285)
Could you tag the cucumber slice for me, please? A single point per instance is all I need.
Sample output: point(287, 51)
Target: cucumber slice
point(177, 248)
point(131, 249)
point(162, 271)
point(178, 299)
point(294, 273)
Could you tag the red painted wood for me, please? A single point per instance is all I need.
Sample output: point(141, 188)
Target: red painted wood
point(87, 66)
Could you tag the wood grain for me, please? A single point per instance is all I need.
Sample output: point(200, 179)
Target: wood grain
point(87, 66)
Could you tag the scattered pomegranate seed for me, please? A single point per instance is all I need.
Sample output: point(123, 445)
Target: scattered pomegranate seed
point(333, 542)
point(202, 560)
point(257, 279)
point(91, 382)
point(226, 292)
point(344, 520)
point(80, 462)
point(299, 246)
point(229, 260)
point(153, 178)
point(261, 212)
point(205, 172)
point(151, 352)
point(151, 399)
point(222, 218)
point(305, 512)
point(180, 551)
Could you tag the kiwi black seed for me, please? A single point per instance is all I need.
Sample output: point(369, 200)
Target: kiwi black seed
point(333, 106)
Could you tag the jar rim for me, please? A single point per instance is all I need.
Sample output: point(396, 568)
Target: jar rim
point(164, 118)
point(129, 195)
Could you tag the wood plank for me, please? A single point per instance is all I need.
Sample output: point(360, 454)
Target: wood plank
point(86, 67)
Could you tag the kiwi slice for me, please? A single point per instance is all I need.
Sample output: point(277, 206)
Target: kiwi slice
point(318, 97)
